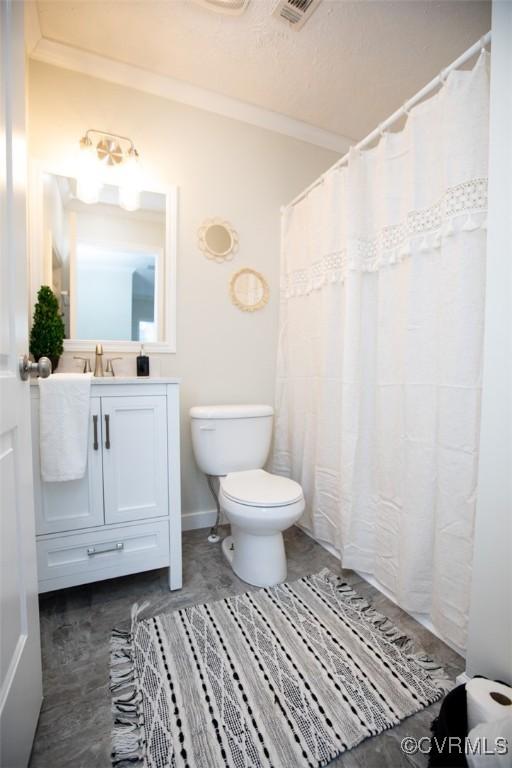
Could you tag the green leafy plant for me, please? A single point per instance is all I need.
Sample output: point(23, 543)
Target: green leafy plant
point(47, 334)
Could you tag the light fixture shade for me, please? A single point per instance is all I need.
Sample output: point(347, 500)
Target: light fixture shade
point(129, 191)
point(88, 185)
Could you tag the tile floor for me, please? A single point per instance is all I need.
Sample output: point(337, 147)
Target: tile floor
point(75, 721)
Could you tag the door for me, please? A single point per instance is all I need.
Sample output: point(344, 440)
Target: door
point(134, 457)
point(75, 504)
point(20, 656)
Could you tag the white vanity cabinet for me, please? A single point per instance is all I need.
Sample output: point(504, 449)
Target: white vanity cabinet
point(124, 515)
point(135, 483)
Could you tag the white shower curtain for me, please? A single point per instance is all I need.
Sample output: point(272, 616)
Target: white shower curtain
point(380, 352)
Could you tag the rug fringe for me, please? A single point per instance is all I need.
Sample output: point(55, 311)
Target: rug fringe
point(127, 731)
point(413, 652)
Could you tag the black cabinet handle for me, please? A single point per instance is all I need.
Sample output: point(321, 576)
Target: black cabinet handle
point(95, 422)
point(107, 431)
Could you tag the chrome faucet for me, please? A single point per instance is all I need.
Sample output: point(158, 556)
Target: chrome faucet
point(98, 363)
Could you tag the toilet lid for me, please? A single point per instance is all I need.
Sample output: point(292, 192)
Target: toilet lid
point(258, 488)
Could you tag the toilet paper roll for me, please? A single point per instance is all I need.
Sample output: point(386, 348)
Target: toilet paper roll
point(487, 701)
point(495, 739)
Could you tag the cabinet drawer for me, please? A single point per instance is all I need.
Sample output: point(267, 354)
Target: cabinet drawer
point(65, 561)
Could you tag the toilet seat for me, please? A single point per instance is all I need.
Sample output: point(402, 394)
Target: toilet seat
point(257, 488)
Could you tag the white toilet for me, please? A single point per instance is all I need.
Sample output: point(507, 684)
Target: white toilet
point(232, 442)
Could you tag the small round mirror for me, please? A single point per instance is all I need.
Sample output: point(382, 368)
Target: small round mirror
point(218, 240)
point(249, 290)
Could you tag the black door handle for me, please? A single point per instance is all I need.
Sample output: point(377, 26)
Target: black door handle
point(95, 422)
point(107, 431)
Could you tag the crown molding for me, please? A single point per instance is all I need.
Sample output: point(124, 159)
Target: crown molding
point(68, 57)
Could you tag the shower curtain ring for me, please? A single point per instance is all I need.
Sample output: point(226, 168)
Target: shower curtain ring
point(381, 130)
point(443, 76)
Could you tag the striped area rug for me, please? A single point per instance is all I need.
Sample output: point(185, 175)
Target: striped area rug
point(286, 677)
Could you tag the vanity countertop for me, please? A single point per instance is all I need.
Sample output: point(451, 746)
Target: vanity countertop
point(109, 380)
point(134, 380)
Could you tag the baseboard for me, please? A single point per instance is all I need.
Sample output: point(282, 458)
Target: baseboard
point(200, 519)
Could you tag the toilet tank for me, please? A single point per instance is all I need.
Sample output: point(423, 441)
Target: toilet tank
point(231, 438)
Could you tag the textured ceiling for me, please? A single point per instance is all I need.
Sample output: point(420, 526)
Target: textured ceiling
point(346, 70)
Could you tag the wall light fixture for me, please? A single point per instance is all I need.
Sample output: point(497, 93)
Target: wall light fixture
point(107, 157)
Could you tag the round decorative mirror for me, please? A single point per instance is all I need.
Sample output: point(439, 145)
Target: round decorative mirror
point(249, 290)
point(218, 240)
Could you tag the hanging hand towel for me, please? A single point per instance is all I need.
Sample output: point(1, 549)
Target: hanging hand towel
point(64, 425)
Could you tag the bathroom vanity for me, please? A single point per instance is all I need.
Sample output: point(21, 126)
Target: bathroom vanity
point(124, 515)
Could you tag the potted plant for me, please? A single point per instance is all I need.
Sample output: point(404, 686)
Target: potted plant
point(47, 334)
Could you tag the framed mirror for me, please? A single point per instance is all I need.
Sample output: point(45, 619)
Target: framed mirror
point(112, 270)
point(249, 290)
point(218, 240)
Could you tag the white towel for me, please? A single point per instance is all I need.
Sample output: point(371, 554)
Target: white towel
point(64, 425)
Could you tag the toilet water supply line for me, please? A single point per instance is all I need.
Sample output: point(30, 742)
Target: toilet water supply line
point(213, 536)
point(403, 110)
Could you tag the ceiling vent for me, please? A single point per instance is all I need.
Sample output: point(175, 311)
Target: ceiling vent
point(226, 7)
point(295, 12)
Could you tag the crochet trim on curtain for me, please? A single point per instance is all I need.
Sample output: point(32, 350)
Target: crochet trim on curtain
point(462, 208)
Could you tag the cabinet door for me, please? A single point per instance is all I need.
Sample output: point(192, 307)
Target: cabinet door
point(77, 503)
point(134, 457)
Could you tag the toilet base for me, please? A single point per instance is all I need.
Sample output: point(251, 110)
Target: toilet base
point(259, 560)
point(228, 549)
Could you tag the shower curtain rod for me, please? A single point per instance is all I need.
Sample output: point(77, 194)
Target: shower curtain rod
point(403, 110)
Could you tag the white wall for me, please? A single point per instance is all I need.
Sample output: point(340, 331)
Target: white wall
point(490, 624)
point(222, 168)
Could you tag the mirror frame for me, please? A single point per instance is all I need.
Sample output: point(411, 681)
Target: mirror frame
point(234, 298)
point(39, 271)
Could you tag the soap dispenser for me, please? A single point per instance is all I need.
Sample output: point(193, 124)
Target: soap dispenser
point(142, 363)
